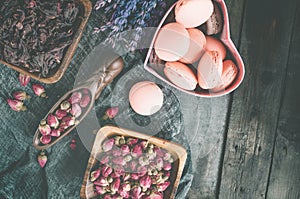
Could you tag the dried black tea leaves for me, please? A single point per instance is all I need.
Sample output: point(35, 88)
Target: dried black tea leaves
point(35, 34)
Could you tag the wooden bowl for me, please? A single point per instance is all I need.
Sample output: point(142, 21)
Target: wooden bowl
point(154, 65)
point(178, 153)
point(58, 72)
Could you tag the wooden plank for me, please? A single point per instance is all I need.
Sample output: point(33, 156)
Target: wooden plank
point(285, 173)
point(205, 123)
point(265, 42)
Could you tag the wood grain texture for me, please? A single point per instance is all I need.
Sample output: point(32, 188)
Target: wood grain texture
point(265, 43)
point(206, 126)
point(285, 173)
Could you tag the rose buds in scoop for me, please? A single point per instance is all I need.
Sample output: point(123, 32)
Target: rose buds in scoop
point(193, 13)
point(180, 75)
point(68, 113)
point(228, 75)
point(172, 42)
point(210, 70)
point(146, 98)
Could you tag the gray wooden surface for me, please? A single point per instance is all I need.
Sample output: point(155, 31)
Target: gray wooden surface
point(246, 145)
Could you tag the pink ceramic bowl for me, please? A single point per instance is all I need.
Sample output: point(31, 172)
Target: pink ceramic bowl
point(155, 66)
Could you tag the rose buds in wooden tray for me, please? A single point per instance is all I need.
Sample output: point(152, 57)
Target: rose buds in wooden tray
point(127, 164)
point(192, 50)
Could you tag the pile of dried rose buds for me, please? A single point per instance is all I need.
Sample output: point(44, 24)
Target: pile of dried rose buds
point(131, 168)
point(65, 116)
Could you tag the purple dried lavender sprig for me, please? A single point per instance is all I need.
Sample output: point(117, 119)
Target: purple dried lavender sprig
point(128, 15)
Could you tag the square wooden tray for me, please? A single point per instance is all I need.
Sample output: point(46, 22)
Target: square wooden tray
point(58, 73)
point(178, 153)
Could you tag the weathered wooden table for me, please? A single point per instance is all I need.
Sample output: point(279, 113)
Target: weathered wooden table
point(247, 144)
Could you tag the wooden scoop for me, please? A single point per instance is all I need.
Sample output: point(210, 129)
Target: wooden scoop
point(111, 67)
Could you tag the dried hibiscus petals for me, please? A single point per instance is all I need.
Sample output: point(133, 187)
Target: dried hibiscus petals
point(131, 168)
point(65, 116)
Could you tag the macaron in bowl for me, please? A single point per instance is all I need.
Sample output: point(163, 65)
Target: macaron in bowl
point(151, 64)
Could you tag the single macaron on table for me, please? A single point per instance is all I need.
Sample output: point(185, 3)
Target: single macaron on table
point(192, 50)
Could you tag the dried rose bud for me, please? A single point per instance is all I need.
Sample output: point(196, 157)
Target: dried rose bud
point(21, 95)
point(52, 121)
point(104, 159)
point(108, 144)
point(67, 122)
point(39, 90)
point(110, 113)
point(107, 196)
point(119, 161)
point(101, 182)
point(95, 175)
point(16, 105)
point(128, 158)
point(154, 195)
point(116, 152)
point(167, 166)
point(127, 176)
point(75, 110)
point(125, 186)
point(115, 185)
point(124, 194)
point(137, 151)
point(151, 156)
point(106, 171)
point(167, 156)
point(163, 186)
point(60, 114)
point(85, 91)
point(125, 149)
point(132, 141)
point(65, 105)
point(145, 181)
point(135, 176)
point(132, 165)
point(158, 151)
point(45, 139)
point(44, 128)
point(110, 179)
point(73, 146)
point(159, 163)
point(118, 171)
point(143, 161)
point(144, 144)
point(55, 133)
point(136, 192)
point(142, 170)
point(171, 160)
point(24, 79)
point(42, 159)
point(85, 101)
point(100, 190)
point(75, 98)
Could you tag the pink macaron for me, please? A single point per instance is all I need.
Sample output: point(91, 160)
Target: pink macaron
point(172, 42)
point(209, 70)
point(213, 44)
point(229, 74)
point(146, 98)
point(180, 75)
point(193, 13)
point(196, 48)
